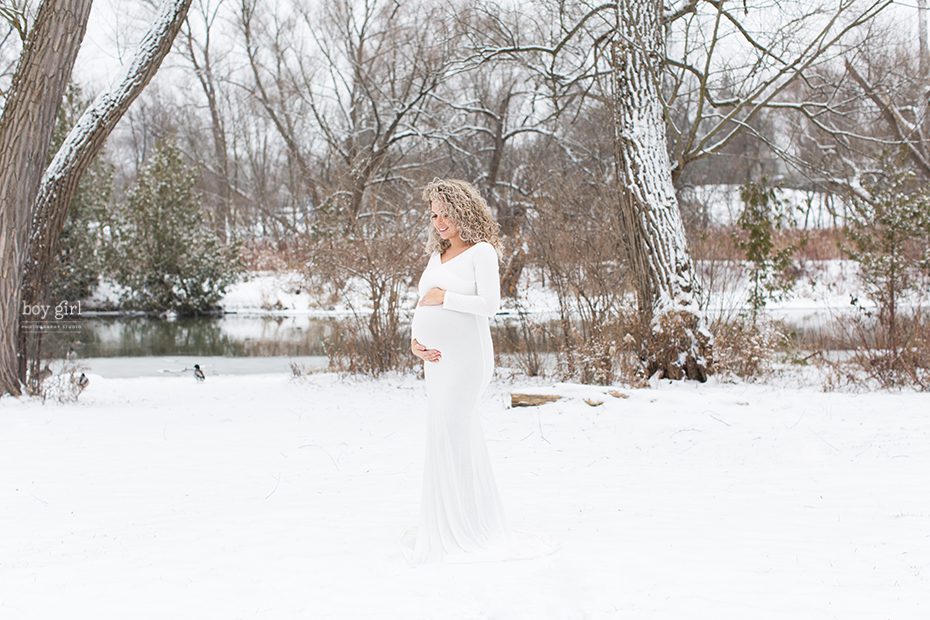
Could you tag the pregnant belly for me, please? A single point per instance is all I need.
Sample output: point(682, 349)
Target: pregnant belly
point(438, 328)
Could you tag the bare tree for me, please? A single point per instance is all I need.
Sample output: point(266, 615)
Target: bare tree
point(346, 89)
point(649, 72)
point(853, 113)
point(197, 46)
point(724, 74)
point(665, 281)
point(487, 113)
point(267, 47)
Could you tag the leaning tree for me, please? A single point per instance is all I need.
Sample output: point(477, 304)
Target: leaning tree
point(32, 103)
point(34, 198)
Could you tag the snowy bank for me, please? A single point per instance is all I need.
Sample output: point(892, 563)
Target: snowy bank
point(823, 289)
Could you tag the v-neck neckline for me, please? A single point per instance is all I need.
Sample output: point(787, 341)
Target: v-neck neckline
point(439, 255)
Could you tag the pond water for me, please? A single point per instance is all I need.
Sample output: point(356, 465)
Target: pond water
point(131, 346)
point(236, 343)
point(121, 346)
point(230, 335)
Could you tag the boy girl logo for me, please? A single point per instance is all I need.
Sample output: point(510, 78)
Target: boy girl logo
point(61, 310)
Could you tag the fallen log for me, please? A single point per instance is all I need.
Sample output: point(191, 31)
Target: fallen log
point(518, 399)
point(593, 397)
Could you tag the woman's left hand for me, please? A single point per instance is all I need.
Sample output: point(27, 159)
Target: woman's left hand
point(433, 297)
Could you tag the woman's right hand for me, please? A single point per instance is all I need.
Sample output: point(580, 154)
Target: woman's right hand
point(427, 355)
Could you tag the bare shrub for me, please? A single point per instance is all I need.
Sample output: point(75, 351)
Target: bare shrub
point(854, 353)
point(370, 268)
point(745, 348)
point(889, 237)
point(719, 243)
point(610, 355)
point(275, 255)
point(353, 351)
point(588, 359)
point(817, 244)
point(901, 359)
point(580, 254)
point(301, 371)
point(722, 288)
point(525, 338)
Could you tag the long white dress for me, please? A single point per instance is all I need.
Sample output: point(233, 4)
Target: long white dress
point(461, 512)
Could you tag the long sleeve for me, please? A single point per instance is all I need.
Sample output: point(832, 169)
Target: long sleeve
point(487, 283)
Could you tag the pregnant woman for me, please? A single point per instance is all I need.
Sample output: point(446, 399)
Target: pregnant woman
point(460, 508)
point(461, 511)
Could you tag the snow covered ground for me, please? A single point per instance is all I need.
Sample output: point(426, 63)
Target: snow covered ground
point(823, 287)
point(257, 496)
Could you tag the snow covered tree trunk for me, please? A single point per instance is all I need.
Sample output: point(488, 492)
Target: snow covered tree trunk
point(82, 144)
point(25, 135)
point(678, 343)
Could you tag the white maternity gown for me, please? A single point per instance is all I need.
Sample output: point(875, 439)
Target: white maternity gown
point(461, 512)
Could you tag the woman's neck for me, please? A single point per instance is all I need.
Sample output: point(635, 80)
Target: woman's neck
point(457, 244)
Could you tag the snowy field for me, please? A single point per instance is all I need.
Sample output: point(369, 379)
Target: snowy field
point(257, 496)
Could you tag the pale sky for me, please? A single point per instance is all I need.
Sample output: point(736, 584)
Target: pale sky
point(111, 23)
point(116, 25)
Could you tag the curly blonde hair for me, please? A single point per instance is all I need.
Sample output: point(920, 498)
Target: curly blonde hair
point(467, 210)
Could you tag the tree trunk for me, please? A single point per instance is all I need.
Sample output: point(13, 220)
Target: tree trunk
point(77, 152)
point(924, 66)
point(676, 344)
point(25, 135)
point(512, 269)
point(510, 218)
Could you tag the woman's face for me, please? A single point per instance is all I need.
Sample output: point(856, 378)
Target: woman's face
point(445, 228)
